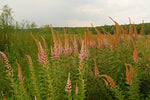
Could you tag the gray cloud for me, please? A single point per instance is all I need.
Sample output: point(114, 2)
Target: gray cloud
point(79, 12)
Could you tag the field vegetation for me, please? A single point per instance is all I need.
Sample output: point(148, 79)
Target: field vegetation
point(74, 63)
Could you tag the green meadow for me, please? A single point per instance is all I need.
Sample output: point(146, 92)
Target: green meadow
point(95, 63)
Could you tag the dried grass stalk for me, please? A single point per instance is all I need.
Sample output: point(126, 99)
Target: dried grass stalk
point(96, 68)
point(76, 91)
point(142, 28)
point(130, 74)
point(106, 83)
point(19, 72)
point(91, 72)
point(109, 80)
point(135, 53)
point(135, 32)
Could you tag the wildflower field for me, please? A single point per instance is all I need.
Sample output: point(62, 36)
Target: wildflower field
point(54, 66)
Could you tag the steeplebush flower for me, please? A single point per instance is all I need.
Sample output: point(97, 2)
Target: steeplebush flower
point(106, 83)
point(55, 53)
point(68, 84)
point(10, 74)
point(105, 42)
point(45, 45)
point(84, 53)
point(67, 49)
point(60, 45)
point(75, 46)
point(58, 49)
point(43, 57)
point(9, 69)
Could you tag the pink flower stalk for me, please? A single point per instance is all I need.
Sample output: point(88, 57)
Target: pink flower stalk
point(68, 50)
point(135, 60)
point(87, 54)
point(82, 48)
point(75, 45)
point(4, 56)
point(35, 98)
point(74, 62)
point(68, 85)
point(81, 57)
point(60, 45)
point(58, 49)
point(43, 57)
point(56, 52)
point(7, 63)
point(83, 53)
point(45, 45)
point(92, 44)
point(105, 42)
point(52, 53)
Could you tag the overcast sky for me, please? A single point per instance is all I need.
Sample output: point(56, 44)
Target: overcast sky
point(79, 12)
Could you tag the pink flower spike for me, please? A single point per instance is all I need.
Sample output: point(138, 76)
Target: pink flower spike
point(75, 44)
point(68, 85)
point(43, 57)
point(28, 56)
point(82, 47)
point(3, 55)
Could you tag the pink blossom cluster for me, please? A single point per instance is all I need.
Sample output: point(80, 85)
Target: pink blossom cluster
point(105, 42)
point(75, 46)
point(56, 52)
point(4, 56)
point(43, 57)
point(83, 53)
point(6, 62)
point(92, 44)
point(68, 84)
point(135, 60)
point(68, 50)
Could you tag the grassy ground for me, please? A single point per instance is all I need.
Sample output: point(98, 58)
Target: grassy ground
point(90, 67)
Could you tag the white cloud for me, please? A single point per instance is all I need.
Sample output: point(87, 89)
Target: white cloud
point(89, 9)
point(120, 3)
point(78, 23)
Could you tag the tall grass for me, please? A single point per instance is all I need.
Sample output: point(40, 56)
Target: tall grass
point(81, 67)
